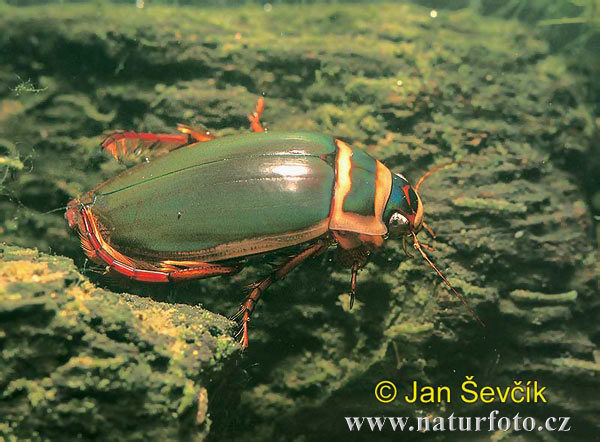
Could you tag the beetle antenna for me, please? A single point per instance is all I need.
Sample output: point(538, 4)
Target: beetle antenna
point(419, 247)
point(58, 209)
point(435, 169)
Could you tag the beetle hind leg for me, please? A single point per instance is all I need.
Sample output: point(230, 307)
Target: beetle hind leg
point(254, 117)
point(98, 250)
point(121, 144)
point(201, 270)
point(258, 288)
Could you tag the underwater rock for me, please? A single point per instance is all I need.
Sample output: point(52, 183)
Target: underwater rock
point(77, 361)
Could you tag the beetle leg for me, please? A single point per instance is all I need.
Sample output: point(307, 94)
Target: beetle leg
point(119, 144)
point(257, 289)
point(404, 246)
point(201, 271)
point(429, 230)
point(254, 117)
point(197, 134)
point(427, 246)
point(355, 268)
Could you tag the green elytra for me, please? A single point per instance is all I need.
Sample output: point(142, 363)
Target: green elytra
point(229, 190)
point(222, 191)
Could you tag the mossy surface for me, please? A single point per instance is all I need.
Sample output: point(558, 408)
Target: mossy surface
point(79, 362)
point(515, 234)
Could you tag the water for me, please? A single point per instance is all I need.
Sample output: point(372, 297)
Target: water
point(508, 87)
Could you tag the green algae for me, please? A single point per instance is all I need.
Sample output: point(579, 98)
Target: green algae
point(85, 104)
point(489, 204)
point(543, 298)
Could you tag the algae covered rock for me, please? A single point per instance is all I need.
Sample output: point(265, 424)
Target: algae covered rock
point(81, 362)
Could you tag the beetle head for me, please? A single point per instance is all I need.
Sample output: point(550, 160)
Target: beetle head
point(404, 210)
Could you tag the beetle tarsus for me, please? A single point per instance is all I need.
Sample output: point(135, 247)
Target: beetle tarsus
point(254, 117)
point(197, 134)
point(429, 230)
point(405, 247)
point(248, 307)
point(245, 327)
point(355, 268)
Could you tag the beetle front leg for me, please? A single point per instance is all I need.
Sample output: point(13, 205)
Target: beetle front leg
point(355, 259)
point(257, 289)
point(355, 268)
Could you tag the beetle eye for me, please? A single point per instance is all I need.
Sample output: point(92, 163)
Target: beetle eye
point(398, 224)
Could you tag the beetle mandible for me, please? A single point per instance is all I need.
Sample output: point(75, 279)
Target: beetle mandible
point(315, 190)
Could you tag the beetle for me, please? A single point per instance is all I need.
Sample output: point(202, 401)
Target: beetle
point(204, 204)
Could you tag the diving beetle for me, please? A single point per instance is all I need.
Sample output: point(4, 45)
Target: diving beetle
point(205, 204)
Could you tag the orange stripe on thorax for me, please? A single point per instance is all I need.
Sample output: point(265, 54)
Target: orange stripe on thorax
point(354, 222)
